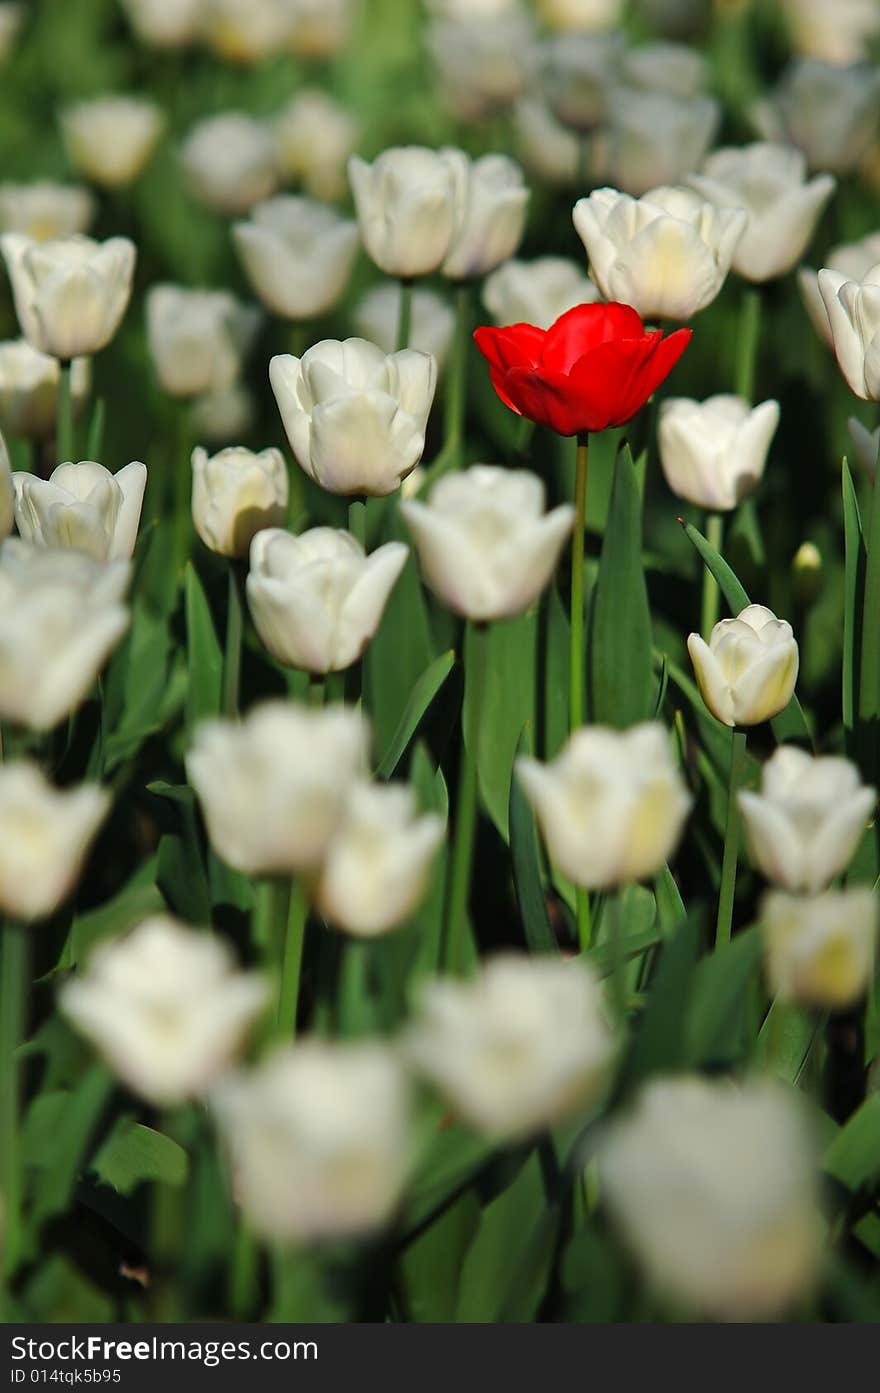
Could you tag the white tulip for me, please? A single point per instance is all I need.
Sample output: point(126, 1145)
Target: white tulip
point(854, 316)
point(747, 671)
point(829, 112)
point(318, 1138)
point(314, 137)
point(714, 1185)
point(804, 826)
point(45, 210)
point(518, 1047)
point(577, 73)
point(472, 9)
point(236, 493)
point(224, 413)
point(61, 615)
point(854, 260)
point(355, 418)
point(12, 17)
point(83, 506)
point(244, 31)
point(197, 338)
point(45, 836)
point(713, 453)
point(667, 254)
point(654, 138)
point(769, 181)
point(674, 69)
point(317, 600)
point(432, 325)
point(490, 214)
point(319, 29)
point(297, 255)
point(7, 493)
point(866, 444)
point(29, 389)
point(839, 31)
point(485, 544)
point(548, 149)
point(580, 16)
point(110, 139)
point(378, 863)
point(483, 62)
point(611, 806)
point(273, 787)
point(406, 207)
point(819, 949)
point(166, 1007)
point(229, 162)
point(164, 23)
point(536, 292)
point(71, 293)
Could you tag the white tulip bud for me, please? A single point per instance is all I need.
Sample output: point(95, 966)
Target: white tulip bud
point(483, 62)
point(549, 150)
point(485, 544)
point(71, 293)
point(314, 137)
point(164, 23)
point(377, 315)
point(536, 292)
point(866, 444)
point(317, 600)
point(577, 74)
point(656, 138)
point(677, 70)
point(854, 315)
point(580, 16)
point(355, 418)
point(769, 181)
point(110, 139)
point(804, 826)
point(7, 493)
point(236, 493)
point(29, 389)
point(197, 338)
point(713, 453)
point(611, 806)
point(378, 863)
point(747, 671)
point(667, 254)
point(244, 31)
point(229, 162)
point(319, 29)
point(518, 1047)
point(12, 17)
point(273, 787)
point(45, 210)
point(829, 112)
point(490, 203)
point(819, 949)
point(166, 1008)
point(718, 1223)
point(45, 836)
point(84, 506)
point(297, 255)
point(61, 615)
point(318, 1138)
point(838, 31)
point(225, 413)
point(854, 260)
point(405, 204)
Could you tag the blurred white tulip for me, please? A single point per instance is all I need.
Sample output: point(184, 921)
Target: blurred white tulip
point(317, 600)
point(549, 150)
point(223, 413)
point(483, 62)
point(611, 806)
point(235, 493)
point(866, 444)
point(7, 493)
point(355, 418)
point(45, 210)
point(830, 113)
point(164, 23)
point(197, 339)
point(70, 293)
point(45, 836)
point(839, 31)
point(29, 389)
point(854, 260)
point(318, 1138)
point(713, 452)
point(83, 506)
point(580, 16)
point(229, 162)
point(377, 315)
point(314, 137)
point(854, 316)
point(166, 1007)
point(577, 74)
point(273, 787)
point(653, 138)
point(747, 671)
point(678, 70)
point(718, 1223)
point(819, 950)
point(536, 292)
point(110, 139)
point(12, 17)
point(244, 31)
point(297, 254)
point(319, 29)
point(406, 207)
point(667, 254)
point(517, 1047)
point(486, 546)
point(491, 202)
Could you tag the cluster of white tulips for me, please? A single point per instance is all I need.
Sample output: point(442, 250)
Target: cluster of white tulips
point(388, 804)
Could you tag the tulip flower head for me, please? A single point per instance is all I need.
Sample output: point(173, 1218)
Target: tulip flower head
point(866, 443)
point(45, 836)
point(297, 254)
point(164, 23)
point(483, 61)
point(235, 494)
point(595, 367)
point(853, 260)
point(109, 140)
point(29, 389)
point(747, 671)
point(854, 316)
point(537, 292)
point(829, 112)
point(819, 949)
point(71, 293)
point(197, 339)
point(377, 316)
point(655, 137)
point(84, 506)
point(713, 453)
point(314, 137)
point(229, 162)
point(405, 205)
point(45, 210)
point(244, 31)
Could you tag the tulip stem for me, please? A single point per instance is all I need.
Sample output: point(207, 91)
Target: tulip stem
point(727, 888)
point(464, 836)
point(64, 441)
point(167, 1237)
point(576, 664)
point(357, 520)
point(14, 990)
point(711, 593)
point(749, 331)
point(455, 396)
point(291, 962)
point(316, 689)
point(244, 1274)
point(232, 656)
point(404, 315)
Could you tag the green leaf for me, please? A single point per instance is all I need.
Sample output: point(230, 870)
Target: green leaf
point(620, 631)
point(660, 1042)
point(508, 702)
point(717, 1012)
point(129, 907)
point(856, 556)
point(430, 1265)
point(853, 1157)
point(454, 1157)
point(393, 664)
point(515, 1237)
point(670, 905)
point(526, 857)
point(57, 1132)
point(95, 438)
point(134, 1153)
point(423, 693)
point(786, 1039)
point(204, 654)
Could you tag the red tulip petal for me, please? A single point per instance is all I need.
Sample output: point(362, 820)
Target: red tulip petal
point(664, 358)
point(513, 345)
point(586, 327)
point(545, 398)
point(617, 378)
point(502, 387)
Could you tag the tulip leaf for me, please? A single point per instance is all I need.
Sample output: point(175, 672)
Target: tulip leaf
point(134, 1153)
point(57, 1151)
point(204, 654)
point(95, 437)
point(620, 631)
point(786, 1039)
point(854, 545)
point(660, 1041)
point(423, 693)
point(853, 1156)
point(508, 702)
point(392, 666)
point(515, 1239)
point(430, 1265)
point(456, 1155)
point(531, 895)
point(717, 1010)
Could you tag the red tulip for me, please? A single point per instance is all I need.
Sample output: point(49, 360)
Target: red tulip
point(594, 368)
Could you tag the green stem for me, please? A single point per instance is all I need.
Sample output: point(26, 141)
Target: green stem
point(614, 910)
point(576, 662)
point(455, 395)
point(404, 315)
point(357, 520)
point(244, 1273)
point(354, 989)
point(65, 443)
point(748, 333)
point(291, 962)
point(316, 689)
point(711, 593)
point(14, 994)
point(269, 917)
point(584, 161)
point(232, 656)
point(727, 889)
point(167, 1239)
point(869, 669)
point(467, 802)
point(181, 487)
